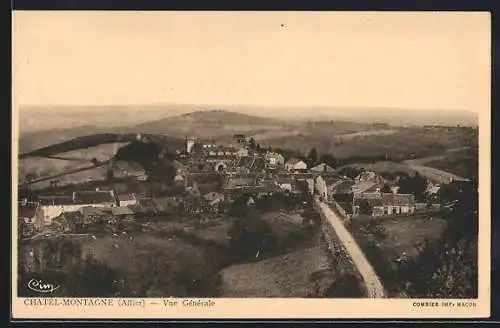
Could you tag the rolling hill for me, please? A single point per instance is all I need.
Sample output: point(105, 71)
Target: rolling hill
point(342, 138)
point(99, 139)
point(214, 124)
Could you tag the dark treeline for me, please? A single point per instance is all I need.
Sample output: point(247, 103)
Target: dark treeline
point(147, 154)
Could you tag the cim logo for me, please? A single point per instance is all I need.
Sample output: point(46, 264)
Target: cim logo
point(40, 286)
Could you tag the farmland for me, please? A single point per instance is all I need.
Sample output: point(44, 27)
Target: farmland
point(283, 276)
point(389, 242)
point(42, 167)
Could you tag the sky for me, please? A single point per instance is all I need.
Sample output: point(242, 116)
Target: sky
point(402, 60)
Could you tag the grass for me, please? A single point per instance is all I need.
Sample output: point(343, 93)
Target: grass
point(100, 152)
point(99, 139)
point(93, 174)
point(45, 167)
point(382, 167)
point(464, 164)
point(401, 144)
point(282, 276)
point(403, 234)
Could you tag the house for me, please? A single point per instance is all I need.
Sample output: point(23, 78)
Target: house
point(122, 213)
point(322, 168)
point(179, 179)
point(74, 220)
point(274, 159)
point(250, 201)
point(145, 208)
point(295, 164)
point(69, 222)
point(340, 190)
point(53, 206)
point(213, 197)
point(97, 214)
point(195, 205)
point(250, 164)
point(208, 144)
point(383, 204)
point(242, 152)
point(324, 185)
point(98, 198)
point(242, 180)
point(368, 176)
point(126, 199)
point(395, 189)
point(30, 218)
point(286, 184)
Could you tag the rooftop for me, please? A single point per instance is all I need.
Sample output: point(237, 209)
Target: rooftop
point(293, 161)
point(55, 200)
point(93, 197)
point(387, 199)
point(323, 168)
point(121, 210)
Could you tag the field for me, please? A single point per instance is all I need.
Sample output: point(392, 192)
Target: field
point(100, 152)
point(283, 276)
point(92, 174)
point(93, 140)
point(403, 233)
point(43, 167)
point(381, 167)
point(398, 143)
point(403, 238)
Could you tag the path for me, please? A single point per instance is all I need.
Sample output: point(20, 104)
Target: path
point(372, 281)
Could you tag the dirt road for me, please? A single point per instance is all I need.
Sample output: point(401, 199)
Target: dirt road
point(373, 285)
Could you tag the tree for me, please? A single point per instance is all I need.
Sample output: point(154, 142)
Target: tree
point(415, 185)
point(386, 188)
point(251, 144)
point(365, 207)
point(110, 174)
point(312, 157)
point(95, 161)
point(257, 148)
point(448, 268)
point(328, 159)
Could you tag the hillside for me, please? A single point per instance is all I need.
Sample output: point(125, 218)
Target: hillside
point(98, 139)
point(342, 138)
point(216, 124)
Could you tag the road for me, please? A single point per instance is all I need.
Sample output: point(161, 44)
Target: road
point(372, 282)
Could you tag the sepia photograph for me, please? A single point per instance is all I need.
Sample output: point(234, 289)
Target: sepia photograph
point(192, 157)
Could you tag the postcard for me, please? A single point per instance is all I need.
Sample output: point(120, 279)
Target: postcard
point(265, 165)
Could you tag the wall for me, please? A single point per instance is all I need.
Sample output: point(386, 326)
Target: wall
point(52, 211)
point(128, 202)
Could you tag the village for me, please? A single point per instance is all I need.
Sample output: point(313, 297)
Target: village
point(209, 177)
